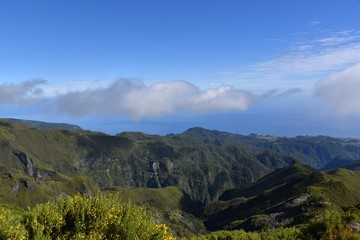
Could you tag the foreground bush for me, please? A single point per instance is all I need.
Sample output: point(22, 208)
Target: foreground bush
point(105, 217)
point(327, 225)
point(93, 217)
point(10, 225)
point(333, 225)
point(275, 234)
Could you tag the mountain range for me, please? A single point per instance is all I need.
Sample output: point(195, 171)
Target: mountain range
point(197, 180)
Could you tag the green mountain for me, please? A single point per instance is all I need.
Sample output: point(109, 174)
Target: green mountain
point(45, 125)
point(342, 162)
point(287, 197)
point(230, 180)
point(202, 163)
point(169, 205)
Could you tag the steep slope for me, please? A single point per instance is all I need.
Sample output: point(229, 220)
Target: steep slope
point(37, 166)
point(170, 205)
point(286, 197)
point(201, 162)
point(342, 162)
point(128, 160)
point(295, 171)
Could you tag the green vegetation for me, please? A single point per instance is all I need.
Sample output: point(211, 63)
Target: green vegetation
point(170, 205)
point(195, 182)
point(45, 125)
point(278, 234)
point(269, 209)
point(288, 197)
point(327, 225)
point(162, 199)
point(79, 217)
point(200, 162)
point(105, 217)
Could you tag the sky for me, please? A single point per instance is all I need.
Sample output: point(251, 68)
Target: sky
point(280, 67)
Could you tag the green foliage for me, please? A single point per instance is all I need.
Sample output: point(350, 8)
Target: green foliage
point(10, 223)
point(277, 234)
point(160, 198)
point(327, 225)
point(79, 217)
point(286, 197)
point(331, 225)
point(170, 205)
point(25, 191)
point(201, 162)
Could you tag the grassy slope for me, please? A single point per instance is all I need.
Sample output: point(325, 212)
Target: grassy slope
point(170, 205)
point(57, 172)
point(203, 163)
point(288, 196)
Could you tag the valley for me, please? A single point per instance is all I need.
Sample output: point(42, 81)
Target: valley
point(197, 182)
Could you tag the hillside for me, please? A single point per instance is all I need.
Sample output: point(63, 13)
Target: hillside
point(196, 179)
point(203, 163)
point(170, 205)
point(287, 197)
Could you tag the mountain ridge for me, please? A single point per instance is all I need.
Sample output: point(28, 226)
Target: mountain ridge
point(204, 163)
point(230, 181)
point(40, 125)
point(292, 196)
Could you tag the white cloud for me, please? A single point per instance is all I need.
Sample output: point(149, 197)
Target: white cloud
point(133, 98)
point(313, 59)
point(336, 40)
point(305, 62)
point(341, 91)
point(130, 97)
point(26, 92)
point(314, 23)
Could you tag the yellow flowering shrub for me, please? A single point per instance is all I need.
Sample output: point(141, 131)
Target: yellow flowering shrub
point(10, 226)
point(92, 217)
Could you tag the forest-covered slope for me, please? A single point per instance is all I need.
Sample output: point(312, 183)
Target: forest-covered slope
point(287, 197)
point(201, 162)
point(194, 181)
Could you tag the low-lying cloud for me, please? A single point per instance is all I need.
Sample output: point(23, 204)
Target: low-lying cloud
point(26, 92)
point(341, 91)
point(130, 97)
point(138, 100)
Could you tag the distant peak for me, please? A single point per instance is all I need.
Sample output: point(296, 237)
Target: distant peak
point(44, 125)
point(197, 129)
point(296, 162)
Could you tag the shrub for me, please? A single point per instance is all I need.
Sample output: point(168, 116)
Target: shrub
point(341, 231)
point(10, 225)
point(331, 225)
point(79, 217)
point(274, 234)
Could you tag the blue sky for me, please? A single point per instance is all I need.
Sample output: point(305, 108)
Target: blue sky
point(277, 67)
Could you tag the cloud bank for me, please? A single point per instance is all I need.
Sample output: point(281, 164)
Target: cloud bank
point(341, 91)
point(130, 97)
point(26, 92)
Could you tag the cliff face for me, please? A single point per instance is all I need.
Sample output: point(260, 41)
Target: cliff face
point(28, 163)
